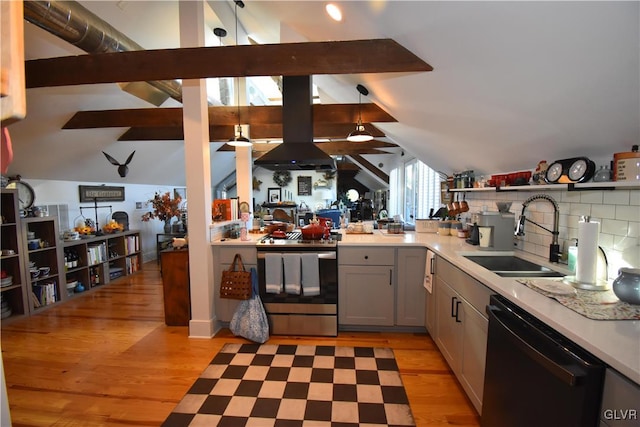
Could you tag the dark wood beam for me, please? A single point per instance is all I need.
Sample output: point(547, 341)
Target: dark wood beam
point(286, 59)
point(370, 167)
point(333, 149)
point(216, 133)
point(253, 115)
point(223, 133)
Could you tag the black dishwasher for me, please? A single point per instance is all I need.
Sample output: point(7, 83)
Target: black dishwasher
point(534, 376)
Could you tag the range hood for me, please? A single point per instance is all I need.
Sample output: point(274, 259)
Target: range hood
point(297, 151)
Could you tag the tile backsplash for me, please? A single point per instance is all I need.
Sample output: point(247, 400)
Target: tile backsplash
point(617, 211)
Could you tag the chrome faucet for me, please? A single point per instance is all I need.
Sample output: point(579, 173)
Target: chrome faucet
point(554, 248)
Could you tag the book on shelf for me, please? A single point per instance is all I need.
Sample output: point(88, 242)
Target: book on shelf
point(132, 245)
point(97, 254)
point(132, 265)
point(44, 294)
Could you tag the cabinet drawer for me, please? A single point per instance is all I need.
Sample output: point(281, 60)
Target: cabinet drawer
point(249, 255)
point(469, 288)
point(366, 255)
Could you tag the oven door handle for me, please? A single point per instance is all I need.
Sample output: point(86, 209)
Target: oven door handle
point(321, 255)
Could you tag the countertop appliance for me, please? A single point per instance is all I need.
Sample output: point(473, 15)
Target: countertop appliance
point(534, 376)
point(503, 225)
point(291, 314)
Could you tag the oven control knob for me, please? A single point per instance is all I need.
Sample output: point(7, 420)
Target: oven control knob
point(271, 240)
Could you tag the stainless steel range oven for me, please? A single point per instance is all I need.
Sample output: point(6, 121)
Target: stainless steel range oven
point(299, 314)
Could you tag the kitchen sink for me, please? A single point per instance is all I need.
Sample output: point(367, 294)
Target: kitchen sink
point(512, 266)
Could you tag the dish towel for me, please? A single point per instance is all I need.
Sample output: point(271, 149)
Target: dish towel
point(273, 273)
point(428, 277)
point(291, 273)
point(310, 275)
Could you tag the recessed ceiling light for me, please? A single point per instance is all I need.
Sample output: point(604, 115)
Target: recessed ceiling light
point(334, 12)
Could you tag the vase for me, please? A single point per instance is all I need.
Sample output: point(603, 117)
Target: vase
point(167, 225)
point(627, 285)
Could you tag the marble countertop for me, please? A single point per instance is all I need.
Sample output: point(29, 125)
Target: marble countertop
point(616, 342)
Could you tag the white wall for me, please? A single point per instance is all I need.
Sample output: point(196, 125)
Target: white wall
point(290, 192)
point(49, 192)
point(616, 211)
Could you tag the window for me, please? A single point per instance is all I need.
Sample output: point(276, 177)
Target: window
point(421, 190)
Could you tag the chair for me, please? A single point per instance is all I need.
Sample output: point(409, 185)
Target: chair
point(281, 215)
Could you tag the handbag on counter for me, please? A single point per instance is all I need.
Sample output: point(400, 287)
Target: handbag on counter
point(250, 320)
point(236, 281)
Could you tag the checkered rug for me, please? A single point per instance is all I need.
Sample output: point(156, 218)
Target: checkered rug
point(296, 385)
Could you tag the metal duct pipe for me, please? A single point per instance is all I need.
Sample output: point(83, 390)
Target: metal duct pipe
point(72, 22)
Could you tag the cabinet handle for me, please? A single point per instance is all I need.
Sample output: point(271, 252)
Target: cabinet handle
point(390, 277)
point(453, 306)
point(432, 265)
point(366, 257)
point(458, 311)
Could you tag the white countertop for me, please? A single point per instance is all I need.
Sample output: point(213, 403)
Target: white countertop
point(616, 342)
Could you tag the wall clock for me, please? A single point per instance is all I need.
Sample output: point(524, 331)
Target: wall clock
point(575, 169)
point(26, 195)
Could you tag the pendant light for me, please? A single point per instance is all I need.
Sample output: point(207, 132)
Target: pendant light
point(360, 134)
point(239, 140)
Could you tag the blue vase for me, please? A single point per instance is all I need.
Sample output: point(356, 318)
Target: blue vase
point(627, 285)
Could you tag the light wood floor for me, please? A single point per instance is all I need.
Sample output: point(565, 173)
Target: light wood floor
point(106, 358)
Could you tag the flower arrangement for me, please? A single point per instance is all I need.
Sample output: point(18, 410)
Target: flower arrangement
point(164, 207)
point(112, 227)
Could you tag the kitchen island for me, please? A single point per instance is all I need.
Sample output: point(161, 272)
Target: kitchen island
point(615, 342)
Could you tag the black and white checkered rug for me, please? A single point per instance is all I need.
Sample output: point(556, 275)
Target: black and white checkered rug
point(296, 385)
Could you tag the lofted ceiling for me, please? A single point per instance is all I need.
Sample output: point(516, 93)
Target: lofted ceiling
point(512, 83)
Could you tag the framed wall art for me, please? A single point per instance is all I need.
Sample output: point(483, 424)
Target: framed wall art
point(100, 193)
point(304, 186)
point(274, 195)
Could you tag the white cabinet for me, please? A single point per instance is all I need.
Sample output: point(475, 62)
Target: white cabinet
point(410, 265)
point(366, 286)
point(365, 295)
point(461, 326)
point(223, 256)
point(381, 286)
point(430, 295)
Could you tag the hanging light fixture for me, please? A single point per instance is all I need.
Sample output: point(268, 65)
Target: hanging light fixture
point(360, 134)
point(239, 140)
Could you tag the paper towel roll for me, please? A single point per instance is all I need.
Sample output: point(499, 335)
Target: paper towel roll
point(586, 265)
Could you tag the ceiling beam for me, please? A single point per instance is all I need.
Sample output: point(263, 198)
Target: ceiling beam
point(224, 133)
point(286, 59)
point(252, 115)
point(331, 148)
point(371, 168)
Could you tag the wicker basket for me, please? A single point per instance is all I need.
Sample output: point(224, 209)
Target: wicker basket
point(236, 281)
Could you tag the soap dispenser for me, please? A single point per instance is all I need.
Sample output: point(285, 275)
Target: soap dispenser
point(572, 257)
